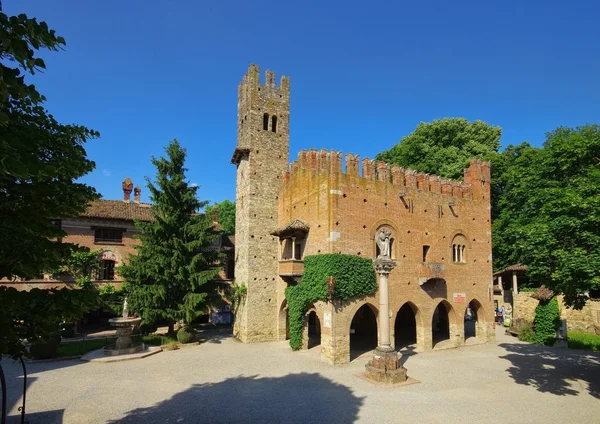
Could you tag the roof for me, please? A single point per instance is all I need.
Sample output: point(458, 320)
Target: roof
point(296, 226)
point(512, 268)
point(119, 209)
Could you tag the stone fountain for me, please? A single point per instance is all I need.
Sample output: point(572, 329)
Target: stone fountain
point(125, 326)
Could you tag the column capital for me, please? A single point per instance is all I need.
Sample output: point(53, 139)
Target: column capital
point(384, 266)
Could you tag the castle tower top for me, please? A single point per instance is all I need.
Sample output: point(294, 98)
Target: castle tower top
point(263, 112)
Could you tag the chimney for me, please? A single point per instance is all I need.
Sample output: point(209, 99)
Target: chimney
point(137, 193)
point(127, 187)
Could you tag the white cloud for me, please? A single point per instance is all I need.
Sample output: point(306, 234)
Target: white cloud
point(194, 185)
point(106, 172)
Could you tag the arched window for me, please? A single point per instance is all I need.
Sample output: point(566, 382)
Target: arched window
point(266, 122)
point(459, 249)
point(274, 124)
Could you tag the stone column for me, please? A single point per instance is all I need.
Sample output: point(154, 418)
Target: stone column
point(515, 285)
point(501, 287)
point(383, 269)
point(384, 366)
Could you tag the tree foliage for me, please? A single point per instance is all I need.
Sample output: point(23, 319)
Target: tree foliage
point(33, 315)
point(81, 266)
point(444, 147)
point(354, 276)
point(224, 213)
point(549, 212)
point(175, 259)
point(40, 159)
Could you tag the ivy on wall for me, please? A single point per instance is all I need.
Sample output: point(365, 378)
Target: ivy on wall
point(354, 276)
point(547, 320)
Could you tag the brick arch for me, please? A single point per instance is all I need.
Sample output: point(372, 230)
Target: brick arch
point(111, 255)
point(456, 233)
point(483, 324)
point(395, 236)
point(455, 328)
point(283, 321)
point(305, 332)
point(420, 325)
point(354, 309)
point(449, 308)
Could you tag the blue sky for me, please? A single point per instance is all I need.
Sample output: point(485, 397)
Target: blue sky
point(363, 74)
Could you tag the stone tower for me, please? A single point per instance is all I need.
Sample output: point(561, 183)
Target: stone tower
point(261, 157)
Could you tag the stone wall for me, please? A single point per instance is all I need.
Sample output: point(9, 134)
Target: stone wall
point(261, 157)
point(577, 320)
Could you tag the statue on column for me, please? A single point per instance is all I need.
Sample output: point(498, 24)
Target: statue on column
point(383, 242)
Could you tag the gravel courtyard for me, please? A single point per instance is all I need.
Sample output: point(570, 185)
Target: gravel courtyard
point(225, 381)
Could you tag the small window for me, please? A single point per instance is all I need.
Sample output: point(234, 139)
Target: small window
point(274, 124)
point(266, 122)
point(458, 253)
point(108, 235)
point(107, 270)
point(298, 251)
point(425, 252)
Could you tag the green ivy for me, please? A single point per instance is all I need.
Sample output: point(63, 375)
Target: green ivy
point(354, 276)
point(547, 320)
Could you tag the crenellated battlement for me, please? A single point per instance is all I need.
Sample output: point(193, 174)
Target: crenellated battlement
point(477, 176)
point(251, 82)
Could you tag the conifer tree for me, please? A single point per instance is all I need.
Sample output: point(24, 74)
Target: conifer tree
point(174, 260)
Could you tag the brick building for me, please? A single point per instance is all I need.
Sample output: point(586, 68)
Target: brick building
point(108, 226)
point(325, 202)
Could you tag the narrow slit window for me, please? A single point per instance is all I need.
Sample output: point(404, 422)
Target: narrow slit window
point(274, 124)
point(425, 252)
point(266, 121)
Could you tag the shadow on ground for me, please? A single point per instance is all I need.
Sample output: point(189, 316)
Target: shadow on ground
point(294, 398)
point(552, 370)
point(46, 417)
point(214, 335)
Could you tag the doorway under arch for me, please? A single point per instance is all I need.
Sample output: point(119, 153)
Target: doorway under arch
point(363, 331)
point(314, 329)
point(405, 326)
point(474, 320)
point(284, 323)
point(440, 324)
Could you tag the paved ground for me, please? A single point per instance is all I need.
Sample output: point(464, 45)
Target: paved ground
point(224, 381)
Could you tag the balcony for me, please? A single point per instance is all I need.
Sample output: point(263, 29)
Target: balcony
point(291, 268)
point(431, 271)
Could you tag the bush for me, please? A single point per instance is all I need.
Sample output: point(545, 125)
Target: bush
point(67, 329)
point(547, 321)
point(44, 349)
point(56, 335)
point(354, 276)
point(526, 335)
point(587, 341)
point(185, 335)
point(147, 328)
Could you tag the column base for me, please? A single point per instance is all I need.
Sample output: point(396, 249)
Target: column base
point(384, 367)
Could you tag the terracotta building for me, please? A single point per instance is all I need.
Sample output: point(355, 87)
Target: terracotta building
point(325, 202)
point(108, 226)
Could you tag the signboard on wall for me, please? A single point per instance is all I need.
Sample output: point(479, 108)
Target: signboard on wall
point(459, 297)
